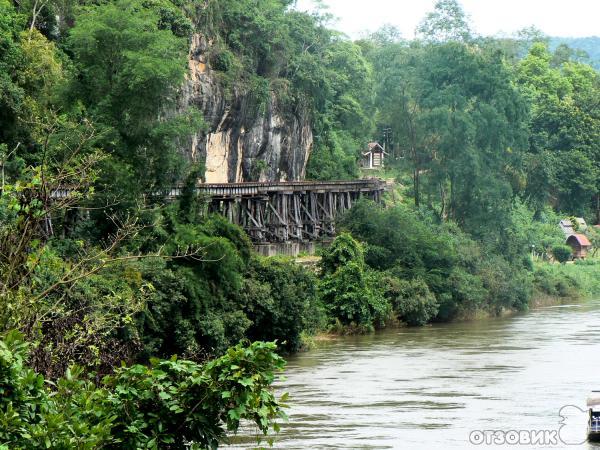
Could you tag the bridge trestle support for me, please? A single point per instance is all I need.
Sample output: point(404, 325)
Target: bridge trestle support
point(288, 212)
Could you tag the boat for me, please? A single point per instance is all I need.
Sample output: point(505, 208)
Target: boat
point(593, 404)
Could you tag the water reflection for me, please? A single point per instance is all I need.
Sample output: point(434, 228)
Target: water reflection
point(428, 388)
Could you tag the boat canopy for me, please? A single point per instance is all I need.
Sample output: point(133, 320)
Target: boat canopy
point(593, 400)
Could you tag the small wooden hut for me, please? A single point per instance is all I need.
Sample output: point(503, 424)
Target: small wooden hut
point(374, 157)
point(580, 245)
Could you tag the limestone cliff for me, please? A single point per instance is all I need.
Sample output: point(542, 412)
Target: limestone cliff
point(243, 143)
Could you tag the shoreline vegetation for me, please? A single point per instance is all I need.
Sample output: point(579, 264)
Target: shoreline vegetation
point(410, 270)
point(129, 319)
point(584, 288)
point(572, 284)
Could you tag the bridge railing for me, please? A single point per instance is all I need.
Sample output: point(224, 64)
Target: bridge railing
point(260, 188)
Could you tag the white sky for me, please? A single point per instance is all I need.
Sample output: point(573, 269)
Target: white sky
point(563, 18)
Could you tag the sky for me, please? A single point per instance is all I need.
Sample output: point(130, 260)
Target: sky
point(562, 18)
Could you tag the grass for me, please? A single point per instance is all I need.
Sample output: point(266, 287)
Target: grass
point(580, 279)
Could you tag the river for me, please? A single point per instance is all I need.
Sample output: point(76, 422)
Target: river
point(432, 387)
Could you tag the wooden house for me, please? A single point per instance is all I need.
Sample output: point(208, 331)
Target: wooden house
point(374, 157)
point(580, 244)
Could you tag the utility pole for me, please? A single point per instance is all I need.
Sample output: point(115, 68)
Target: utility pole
point(387, 139)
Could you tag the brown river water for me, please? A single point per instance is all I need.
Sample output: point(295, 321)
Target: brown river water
point(443, 386)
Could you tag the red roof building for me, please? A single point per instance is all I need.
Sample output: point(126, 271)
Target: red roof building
point(580, 245)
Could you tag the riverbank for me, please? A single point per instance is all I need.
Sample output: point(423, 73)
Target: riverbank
point(543, 300)
point(553, 285)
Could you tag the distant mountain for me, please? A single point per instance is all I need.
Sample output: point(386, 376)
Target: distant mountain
point(590, 45)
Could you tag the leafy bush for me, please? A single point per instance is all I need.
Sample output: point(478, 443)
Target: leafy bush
point(350, 299)
point(463, 292)
point(191, 305)
point(555, 282)
point(200, 306)
point(170, 404)
point(412, 301)
point(531, 233)
point(223, 60)
point(350, 292)
point(410, 246)
point(399, 237)
point(568, 280)
point(562, 253)
point(587, 262)
point(463, 274)
point(343, 249)
point(507, 286)
point(280, 299)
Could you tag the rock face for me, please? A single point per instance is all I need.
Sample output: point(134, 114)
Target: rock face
point(243, 142)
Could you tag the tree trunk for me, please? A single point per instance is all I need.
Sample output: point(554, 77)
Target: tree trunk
point(443, 208)
point(417, 187)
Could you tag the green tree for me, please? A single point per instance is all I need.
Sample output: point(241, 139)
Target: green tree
point(475, 118)
point(130, 64)
point(563, 161)
point(348, 291)
point(344, 116)
point(343, 250)
point(393, 67)
point(460, 273)
point(447, 22)
point(31, 74)
point(280, 299)
point(460, 123)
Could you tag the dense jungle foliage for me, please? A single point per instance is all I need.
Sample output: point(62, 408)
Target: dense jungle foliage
point(492, 142)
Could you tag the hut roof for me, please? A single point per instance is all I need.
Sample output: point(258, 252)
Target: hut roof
point(568, 226)
point(581, 240)
point(375, 147)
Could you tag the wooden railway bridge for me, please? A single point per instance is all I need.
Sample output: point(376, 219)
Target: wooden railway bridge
point(299, 211)
point(283, 217)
